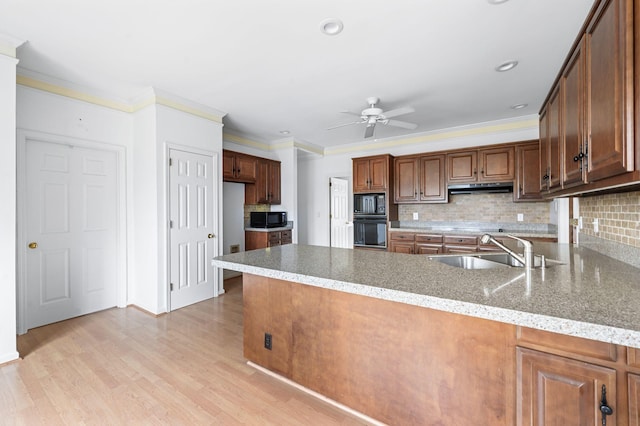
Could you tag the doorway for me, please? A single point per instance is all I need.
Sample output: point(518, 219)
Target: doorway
point(70, 209)
point(340, 225)
point(192, 233)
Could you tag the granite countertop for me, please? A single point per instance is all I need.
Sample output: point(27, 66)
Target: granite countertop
point(590, 295)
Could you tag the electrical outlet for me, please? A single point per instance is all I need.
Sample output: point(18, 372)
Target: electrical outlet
point(520, 217)
point(580, 222)
point(234, 248)
point(596, 224)
point(267, 341)
point(415, 215)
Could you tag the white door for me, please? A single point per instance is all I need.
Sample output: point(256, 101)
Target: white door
point(341, 227)
point(71, 228)
point(191, 228)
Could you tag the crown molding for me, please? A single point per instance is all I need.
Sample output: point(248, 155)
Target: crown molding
point(479, 129)
point(146, 97)
point(9, 45)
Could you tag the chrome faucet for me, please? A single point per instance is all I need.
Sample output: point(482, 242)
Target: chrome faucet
point(527, 259)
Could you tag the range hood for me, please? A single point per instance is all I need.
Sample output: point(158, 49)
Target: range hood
point(481, 188)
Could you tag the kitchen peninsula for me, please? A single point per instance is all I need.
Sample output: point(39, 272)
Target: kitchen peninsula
point(408, 340)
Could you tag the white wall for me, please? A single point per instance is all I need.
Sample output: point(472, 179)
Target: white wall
point(8, 351)
point(157, 128)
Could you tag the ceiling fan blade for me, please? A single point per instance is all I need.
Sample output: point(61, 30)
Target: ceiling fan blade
point(403, 124)
point(342, 125)
point(397, 112)
point(351, 113)
point(369, 130)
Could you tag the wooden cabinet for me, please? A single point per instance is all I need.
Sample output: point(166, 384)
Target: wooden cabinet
point(609, 91)
point(420, 179)
point(257, 239)
point(266, 189)
point(527, 185)
point(588, 138)
point(371, 174)
point(556, 390)
point(484, 165)
point(550, 143)
point(401, 242)
point(238, 167)
point(460, 244)
point(428, 244)
point(634, 399)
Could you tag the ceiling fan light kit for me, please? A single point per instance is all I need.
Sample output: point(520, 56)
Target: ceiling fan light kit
point(374, 115)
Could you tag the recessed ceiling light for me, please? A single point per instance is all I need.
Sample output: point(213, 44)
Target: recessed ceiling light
point(519, 106)
point(284, 132)
point(331, 26)
point(506, 66)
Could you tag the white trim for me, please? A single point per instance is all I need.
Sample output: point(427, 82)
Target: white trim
point(165, 239)
point(121, 219)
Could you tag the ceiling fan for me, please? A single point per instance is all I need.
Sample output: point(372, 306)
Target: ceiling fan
point(373, 115)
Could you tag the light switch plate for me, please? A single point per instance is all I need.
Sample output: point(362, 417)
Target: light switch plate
point(415, 215)
point(520, 217)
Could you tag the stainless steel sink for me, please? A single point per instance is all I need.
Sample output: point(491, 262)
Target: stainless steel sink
point(488, 261)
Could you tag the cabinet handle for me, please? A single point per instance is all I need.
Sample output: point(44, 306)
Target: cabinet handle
point(475, 171)
point(578, 157)
point(482, 171)
point(604, 407)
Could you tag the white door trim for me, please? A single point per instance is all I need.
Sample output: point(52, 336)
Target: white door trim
point(215, 184)
point(21, 184)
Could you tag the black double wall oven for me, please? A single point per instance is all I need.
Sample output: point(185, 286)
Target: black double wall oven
point(369, 220)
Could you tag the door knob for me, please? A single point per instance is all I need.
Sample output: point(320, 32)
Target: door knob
point(210, 236)
point(33, 245)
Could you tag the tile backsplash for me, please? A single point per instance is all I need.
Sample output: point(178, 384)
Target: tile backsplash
point(618, 217)
point(478, 208)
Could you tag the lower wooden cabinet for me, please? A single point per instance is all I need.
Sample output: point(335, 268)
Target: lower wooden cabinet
point(633, 381)
point(460, 244)
point(254, 240)
point(554, 390)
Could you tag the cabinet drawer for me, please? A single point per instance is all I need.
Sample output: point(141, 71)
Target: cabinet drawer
point(429, 238)
point(566, 344)
point(274, 236)
point(285, 237)
point(402, 236)
point(464, 240)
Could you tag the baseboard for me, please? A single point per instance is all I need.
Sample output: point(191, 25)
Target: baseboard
point(315, 394)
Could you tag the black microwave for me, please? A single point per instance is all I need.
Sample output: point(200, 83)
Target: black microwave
point(267, 219)
point(369, 204)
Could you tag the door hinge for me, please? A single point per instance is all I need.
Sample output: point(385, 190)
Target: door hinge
point(171, 286)
point(170, 161)
point(170, 224)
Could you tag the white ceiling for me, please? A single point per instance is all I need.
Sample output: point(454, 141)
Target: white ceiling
point(269, 67)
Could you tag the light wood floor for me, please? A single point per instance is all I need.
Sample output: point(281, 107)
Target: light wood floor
point(122, 366)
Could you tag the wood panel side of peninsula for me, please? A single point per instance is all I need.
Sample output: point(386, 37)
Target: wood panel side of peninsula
point(398, 363)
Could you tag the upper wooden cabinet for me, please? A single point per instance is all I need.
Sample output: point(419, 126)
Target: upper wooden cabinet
point(266, 190)
point(420, 179)
point(527, 185)
point(587, 124)
point(483, 165)
point(238, 167)
point(371, 174)
point(609, 91)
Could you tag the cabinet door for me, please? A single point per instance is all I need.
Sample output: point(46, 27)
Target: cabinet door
point(428, 248)
point(528, 172)
point(262, 182)
point(554, 390)
point(554, 135)
point(634, 399)
point(228, 166)
point(544, 150)
point(432, 184)
point(406, 171)
point(245, 168)
point(573, 107)
point(378, 173)
point(405, 247)
point(609, 74)
point(360, 175)
point(462, 166)
point(273, 187)
point(496, 164)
